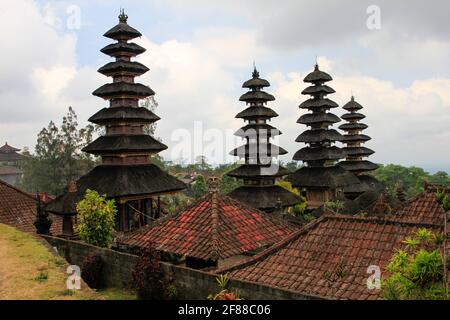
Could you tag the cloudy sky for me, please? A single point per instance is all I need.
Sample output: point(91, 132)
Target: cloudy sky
point(200, 52)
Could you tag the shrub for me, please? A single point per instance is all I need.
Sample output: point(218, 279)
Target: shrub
point(92, 270)
point(148, 277)
point(96, 219)
point(224, 292)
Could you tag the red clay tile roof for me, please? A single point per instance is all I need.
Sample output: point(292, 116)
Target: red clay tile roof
point(328, 258)
point(421, 209)
point(18, 209)
point(215, 227)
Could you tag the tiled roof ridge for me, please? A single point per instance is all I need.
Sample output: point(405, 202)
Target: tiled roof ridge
point(18, 190)
point(214, 254)
point(326, 217)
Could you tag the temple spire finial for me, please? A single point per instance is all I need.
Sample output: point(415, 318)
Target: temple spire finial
point(123, 18)
point(255, 71)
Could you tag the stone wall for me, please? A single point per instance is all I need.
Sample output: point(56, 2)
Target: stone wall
point(191, 284)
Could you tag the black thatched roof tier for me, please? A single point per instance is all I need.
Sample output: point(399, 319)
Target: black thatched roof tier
point(252, 151)
point(358, 166)
point(353, 126)
point(319, 154)
point(318, 76)
point(256, 83)
point(122, 31)
point(124, 143)
point(316, 90)
point(358, 151)
point(352, 105)
point(253, 170)
point(355, 138)
point(118, 182)
point(317, 118)
point(121, 49)
point(322, 177)
point(124, 114)
point(257, 96)
point(131, 68)
point(265, 197)
point(253, 129)
point(370, 181)
point(312, 104)
point(257, 112)
point(353, 116)
point(120, 89)
point(356, 189)
point(319, 135)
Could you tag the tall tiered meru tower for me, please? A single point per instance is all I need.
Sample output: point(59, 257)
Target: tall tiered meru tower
point(126, 173)
point(259, 173)
point(356, 152)
point(321, 179)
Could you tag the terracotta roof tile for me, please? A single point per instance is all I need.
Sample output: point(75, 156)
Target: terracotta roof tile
point(215, 227)
point(18, 209)
point(329, 257)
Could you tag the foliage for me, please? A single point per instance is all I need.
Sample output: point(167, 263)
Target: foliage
point(92, 270)
point(298, 210)
point(228, 184)
point(199, 187)
point(175, 202)
point(335, 206)
point(417, 272)
point(151, 104)
point(96, 219)
point(410, 179)
point(443, 199)
point(224, 292)
point(148, 277)
point(58, 158)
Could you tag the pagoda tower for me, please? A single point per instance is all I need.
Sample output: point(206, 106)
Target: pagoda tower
point(259, 173)
point(321, 179)
point(126, 173)
point(356, 152)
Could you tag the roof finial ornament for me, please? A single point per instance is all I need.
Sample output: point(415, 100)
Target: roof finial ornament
point(123, 18)
point(255, 71)
point(316, 66)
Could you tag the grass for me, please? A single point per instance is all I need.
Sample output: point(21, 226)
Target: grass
point(116, 294)
point(28, 271)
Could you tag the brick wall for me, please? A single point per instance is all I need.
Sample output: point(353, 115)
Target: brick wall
point(191, 284)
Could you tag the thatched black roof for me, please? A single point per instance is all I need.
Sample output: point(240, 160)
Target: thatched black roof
point(124, 114)
point(253, 170)
point(319, 153)
point(355, 138)
point(353, 116)
point(358, 151)
point(256, 83)
point(120, 49)
point(115, 68)
point(319, 135)
point(312, 104)
point(252, 151)
point(359, 165)
point(322, 177)
point(119, 89)
point(251, 130)
point(257, 96)
point(318, 76)
point(265, 198)
point(118, 182)
point(352, 105)
point(122, 31)
point(316, 90)
point(353, 126)
point(257, 112)
point(315, 118)
point(121, 143)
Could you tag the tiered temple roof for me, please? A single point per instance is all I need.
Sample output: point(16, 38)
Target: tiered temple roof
point(320, 176)
point(126, 173)
point(356, 152)
point(259, 173)
point(10, 154)
point(215, 228)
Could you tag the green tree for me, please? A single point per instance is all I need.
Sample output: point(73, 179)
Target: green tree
point(58, 158)
point(298, 210)
point(96, 219)
point(228, 184)
point(199, 187)
point(417, 272)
